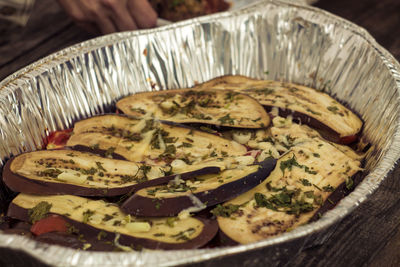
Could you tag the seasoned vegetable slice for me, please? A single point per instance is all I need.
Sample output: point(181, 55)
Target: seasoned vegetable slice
point(312, 107)
point(84, 174)
point(197, 193)
point(301, 182)
point(152, 142)
point(216, 107)
point(92, 217)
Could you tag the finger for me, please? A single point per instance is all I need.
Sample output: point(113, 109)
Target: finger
point(105, 24)
point(143, 13)
point(89, 27)
point(72, 9)
point(120, 15)
point(88, 15)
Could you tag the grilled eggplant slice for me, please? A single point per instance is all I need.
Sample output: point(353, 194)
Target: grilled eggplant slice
point(300, 183)
point(107, 222)
point(314, 108)
point(84, 174)
point(199, 192)
point(216, 107)
point(153, 142)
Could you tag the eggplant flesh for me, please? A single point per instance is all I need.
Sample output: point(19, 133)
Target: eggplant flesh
point(84, 174)
point(301, 182)
point(179, 170)
point(197, 193)
point(305, 104)
point(90, 217)
point(154, 143)
point(216, 107)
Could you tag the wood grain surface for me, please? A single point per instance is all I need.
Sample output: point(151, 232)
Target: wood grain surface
point(369, 236)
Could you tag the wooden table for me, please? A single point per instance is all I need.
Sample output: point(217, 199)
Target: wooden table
point(369, 236)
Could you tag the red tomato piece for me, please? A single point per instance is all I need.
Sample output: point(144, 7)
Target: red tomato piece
point(52, 223)
point(253, 153)
point(58, 139)
point(346, 140)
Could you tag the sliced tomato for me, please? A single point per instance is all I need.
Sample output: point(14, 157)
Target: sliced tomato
point(346, 140)
point(52, 223)
point(253, 153)
point(58, 139)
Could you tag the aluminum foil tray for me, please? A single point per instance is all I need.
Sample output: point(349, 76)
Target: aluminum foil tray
point(271, 40)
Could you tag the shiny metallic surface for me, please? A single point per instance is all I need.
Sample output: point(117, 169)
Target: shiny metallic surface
point(271, 40)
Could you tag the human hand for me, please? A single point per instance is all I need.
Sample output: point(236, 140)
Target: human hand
point(107, 16)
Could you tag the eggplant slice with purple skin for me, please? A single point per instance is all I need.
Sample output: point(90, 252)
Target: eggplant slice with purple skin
point(309, 106)
point(105, 220)
point(197, 193)
point(301, 182)
point(215, 107)
point(83, 174)
point(152, 142)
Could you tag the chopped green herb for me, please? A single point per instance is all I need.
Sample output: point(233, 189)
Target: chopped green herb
point(138, 110)
point(107, 217)
point(230, 96)
point(39, 212)
point(335, 110)
point(305, 182)
point(328, 188)
point(288, 164)
point(171, 221)
point(100, 166)
point(101, 235)
point(227, 120)
point(53, 173)
point(349, 183)
point(184, 235)
point(285, 201)
point(313, 112)
point(95, 146)
point(145, 169)
point(309, 194)
point(184, 144)
point(265, 91)
point(159, 234)
point(316, 186)
point(149, 126)
point(207, 129)
point(86, 215)
point(109, 152)
point(225, 210)
point(213, 154)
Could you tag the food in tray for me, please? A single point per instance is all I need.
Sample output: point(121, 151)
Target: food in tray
point(209, 189)
point(307, 105)
point(215, 107)
point(172, 186)
point(107, 223)
point(85, 174)
point(153, 142)
point(175, 10)
point(301, 182)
